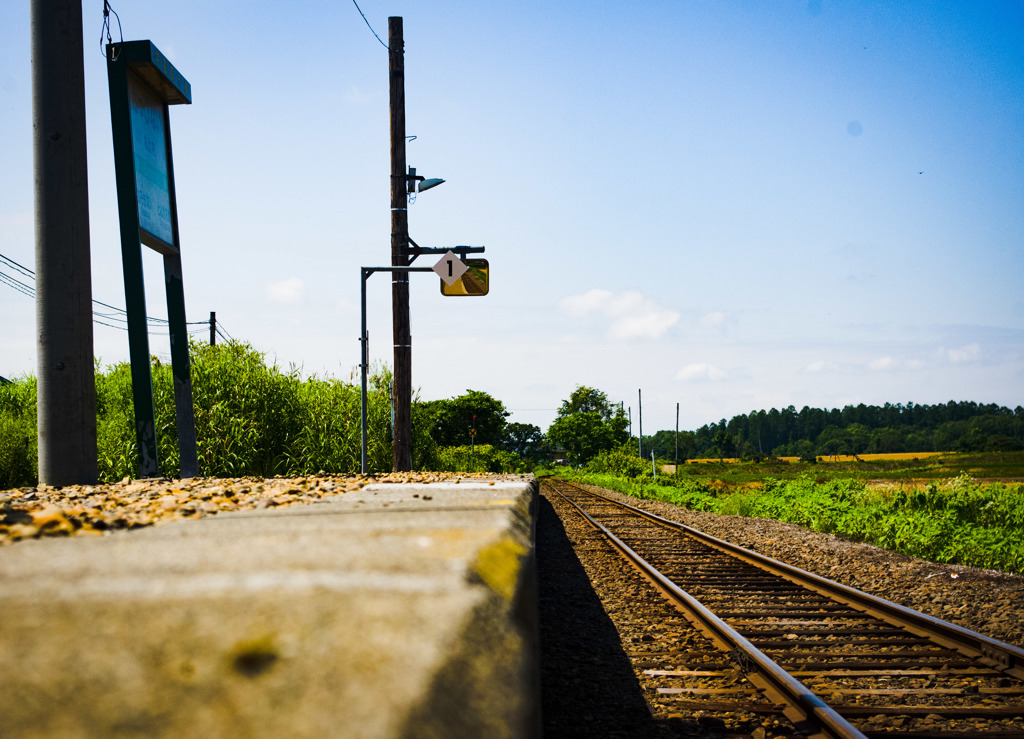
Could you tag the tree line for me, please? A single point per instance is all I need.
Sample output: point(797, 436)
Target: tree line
point(254, 419)
point(862, 429)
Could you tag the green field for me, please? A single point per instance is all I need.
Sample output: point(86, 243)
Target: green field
point(995, 466)
point(960, 509)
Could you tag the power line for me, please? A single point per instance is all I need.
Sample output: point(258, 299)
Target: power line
point(24, 270)
point(223, 333)
point(18, 285)
point(103, 318)
point(368, 24)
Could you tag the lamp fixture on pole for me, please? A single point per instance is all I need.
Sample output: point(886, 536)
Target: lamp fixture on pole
point(417, 183)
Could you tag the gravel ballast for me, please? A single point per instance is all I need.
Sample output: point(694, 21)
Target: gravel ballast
point(986, 601)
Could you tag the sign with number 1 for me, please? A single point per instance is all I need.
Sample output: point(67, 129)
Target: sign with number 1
point(450, 268)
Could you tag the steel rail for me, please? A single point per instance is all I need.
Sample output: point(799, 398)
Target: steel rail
point(809, 714)
point(991, 652)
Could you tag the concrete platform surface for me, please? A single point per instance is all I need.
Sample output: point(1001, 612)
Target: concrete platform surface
point(401, 610)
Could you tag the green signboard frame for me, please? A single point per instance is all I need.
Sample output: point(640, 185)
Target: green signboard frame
point(143, 83)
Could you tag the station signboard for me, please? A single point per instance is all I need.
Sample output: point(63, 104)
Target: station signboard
point(143, 83)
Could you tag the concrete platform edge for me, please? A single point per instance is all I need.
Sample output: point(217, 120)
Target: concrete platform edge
point(385, 613)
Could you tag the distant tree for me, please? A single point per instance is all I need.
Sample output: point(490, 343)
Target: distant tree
point(804, 449)
point(452, 419)
point(524, 439)
point(587, 424)
point(858, 429)
point(726, 444)
point(663, 444)
point(589, 400)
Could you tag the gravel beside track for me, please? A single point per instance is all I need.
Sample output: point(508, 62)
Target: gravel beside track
point(986, 601)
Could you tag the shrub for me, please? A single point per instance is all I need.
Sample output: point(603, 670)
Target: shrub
point(621, 461)
point(480, 458)
point(19, 459)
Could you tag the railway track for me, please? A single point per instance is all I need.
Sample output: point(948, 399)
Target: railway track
point(835, 661)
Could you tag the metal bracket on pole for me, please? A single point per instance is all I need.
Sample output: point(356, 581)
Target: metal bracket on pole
point(364, 275)
point(416, 250)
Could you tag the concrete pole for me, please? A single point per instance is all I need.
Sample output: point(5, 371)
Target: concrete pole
point(66, 380)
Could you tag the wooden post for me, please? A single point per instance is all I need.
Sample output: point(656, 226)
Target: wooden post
point(402, 399)
point(640, 423)
point(677, 438)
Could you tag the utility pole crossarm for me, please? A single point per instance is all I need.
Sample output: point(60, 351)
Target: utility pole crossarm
point(415, 250)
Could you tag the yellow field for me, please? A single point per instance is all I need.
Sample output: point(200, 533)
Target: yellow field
point(833, 458)
point(875, 457)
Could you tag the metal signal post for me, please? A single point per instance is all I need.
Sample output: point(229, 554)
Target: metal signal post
point(364, 363)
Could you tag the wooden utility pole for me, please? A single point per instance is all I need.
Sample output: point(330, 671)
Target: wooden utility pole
point(640, 423)
point(213, 328)
point(677, 437)
point(65, 371)
point(402, 396)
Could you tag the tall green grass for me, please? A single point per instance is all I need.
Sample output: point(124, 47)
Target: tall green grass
point(19, 454)
point(251, 419)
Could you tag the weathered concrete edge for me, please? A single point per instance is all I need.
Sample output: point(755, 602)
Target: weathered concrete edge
point(490, 683)
point(483, 682)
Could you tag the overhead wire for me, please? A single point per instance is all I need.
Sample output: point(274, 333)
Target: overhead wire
point(18, 285)
point(103, 318)
point(368, 25)
point(24, 270)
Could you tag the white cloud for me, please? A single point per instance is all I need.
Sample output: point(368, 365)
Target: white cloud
point(821, 366)
point(716, 319)
point(648, 325)
point(700, 372)
point(287, 291)
point(967, 353)
point(632, 316)
point(889, 364)
point(581, 305)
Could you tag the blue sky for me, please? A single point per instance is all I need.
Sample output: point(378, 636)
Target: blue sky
point(731, 205)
